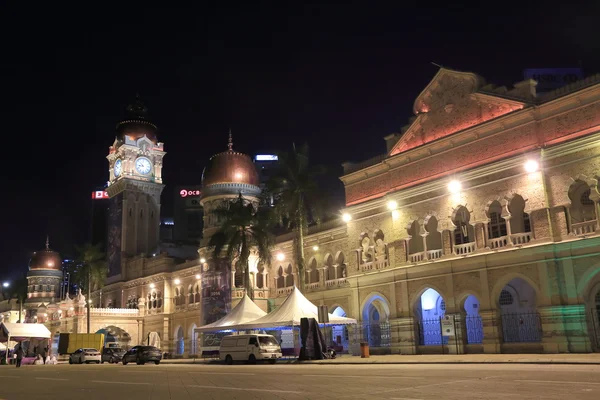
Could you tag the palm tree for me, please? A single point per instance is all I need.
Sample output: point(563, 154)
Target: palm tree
point(297, 198)
point(243, 228)
point(18, 291)
point(91, 270)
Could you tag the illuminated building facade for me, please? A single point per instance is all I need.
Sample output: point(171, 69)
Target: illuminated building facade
point(476, 232)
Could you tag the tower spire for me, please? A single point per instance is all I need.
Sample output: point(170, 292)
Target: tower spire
point(230, 142)
point(47, 242)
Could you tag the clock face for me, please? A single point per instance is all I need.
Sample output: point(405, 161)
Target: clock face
point(143, 165)
point(118, 167)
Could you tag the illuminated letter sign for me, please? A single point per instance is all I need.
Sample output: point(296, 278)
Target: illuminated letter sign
point(186, 193)
point(266, 157)
point(99, 195)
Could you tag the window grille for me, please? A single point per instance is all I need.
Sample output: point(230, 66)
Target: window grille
point(506, 299)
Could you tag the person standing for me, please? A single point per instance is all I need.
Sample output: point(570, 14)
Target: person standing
point(44, 354)
point(19, 354)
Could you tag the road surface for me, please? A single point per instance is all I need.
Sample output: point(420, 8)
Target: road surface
point(292, 381)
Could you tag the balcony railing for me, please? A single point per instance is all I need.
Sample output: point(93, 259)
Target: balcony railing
point(314, 285)
point(434, 254)
point(519, 239)
point(498, 243)
point(375, 265)
point(285, 290)
point(464, 249)
point(335, 282)
point(115, 311)
point(584, 228)
point(416, 257)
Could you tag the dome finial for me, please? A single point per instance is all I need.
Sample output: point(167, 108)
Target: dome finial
point(230, 142)
point(47, 242)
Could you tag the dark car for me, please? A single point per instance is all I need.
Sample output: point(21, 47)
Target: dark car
point(112, 354)
point(142, 354)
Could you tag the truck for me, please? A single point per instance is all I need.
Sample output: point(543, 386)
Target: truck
point(69, 342)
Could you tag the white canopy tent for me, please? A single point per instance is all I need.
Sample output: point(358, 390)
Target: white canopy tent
point(18, 332)
point(289, 313)
point(245, 311)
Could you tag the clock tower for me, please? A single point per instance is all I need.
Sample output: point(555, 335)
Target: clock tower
point(134, 187)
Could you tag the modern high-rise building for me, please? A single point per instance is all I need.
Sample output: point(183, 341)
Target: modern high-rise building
point(187, 215)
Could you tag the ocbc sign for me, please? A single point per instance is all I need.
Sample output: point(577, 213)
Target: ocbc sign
point(186, 193)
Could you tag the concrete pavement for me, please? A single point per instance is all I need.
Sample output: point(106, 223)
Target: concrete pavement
point(592, 359)
point(293, 381)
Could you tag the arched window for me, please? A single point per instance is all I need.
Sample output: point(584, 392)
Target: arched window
point(415, 243)
point(313, 272)
point(280, 278)
point(289, 279)
point(340, 261)
point(196, 293)
point(433, 239)
point(190, 295)
point(582, 210)
point(329, 268)
point(464, 232)
point(496, 224)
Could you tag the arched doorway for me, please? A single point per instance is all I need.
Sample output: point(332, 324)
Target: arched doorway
point(180, 344)
point(520, 320)
point(339, 333)
point(429, 310)
point(473, 320)
point(115, 336)
point(594, 315)
point(375, 327)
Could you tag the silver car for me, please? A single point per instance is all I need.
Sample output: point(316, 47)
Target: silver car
point(81, 356)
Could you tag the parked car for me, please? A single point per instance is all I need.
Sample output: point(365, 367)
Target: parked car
point(112, 355)
point(85, 355)
point(249, 348)
point(142, 354)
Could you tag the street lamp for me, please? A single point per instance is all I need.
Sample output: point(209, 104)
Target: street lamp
point(5, 284)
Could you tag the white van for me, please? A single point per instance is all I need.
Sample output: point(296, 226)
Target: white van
point(249, 348)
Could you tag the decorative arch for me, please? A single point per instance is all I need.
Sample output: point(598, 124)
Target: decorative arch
point(422, 288)
point(505, 280)
point(179, 340)
point(588, 282)
point(456, 209)
point(380, 302)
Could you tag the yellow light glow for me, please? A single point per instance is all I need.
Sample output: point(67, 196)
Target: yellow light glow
point(280, 256)
point(531, 166)
point(197, 276)
point(454, 186)
point(152, 286)
point(315, 248)
point(203, 260)
point(395, 214)
point(50, 264)
point(177, 281)
point(392, 205)
point(346, 217)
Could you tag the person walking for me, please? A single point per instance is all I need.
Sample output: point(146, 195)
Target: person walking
point(19, 354)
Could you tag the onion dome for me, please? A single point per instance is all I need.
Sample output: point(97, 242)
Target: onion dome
point(230, 167)
point(46, 259)
point(135, 124)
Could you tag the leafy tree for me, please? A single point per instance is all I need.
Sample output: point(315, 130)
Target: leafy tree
point(243, 228)
point(90, 271)
point(18, 290)
point(297, 198)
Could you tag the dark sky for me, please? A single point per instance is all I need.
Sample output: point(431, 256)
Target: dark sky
point(336, 75)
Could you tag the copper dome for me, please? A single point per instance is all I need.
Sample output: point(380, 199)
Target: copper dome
point(46, 259)
point(230, 167)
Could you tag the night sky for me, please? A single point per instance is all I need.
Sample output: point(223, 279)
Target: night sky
point(338, 76)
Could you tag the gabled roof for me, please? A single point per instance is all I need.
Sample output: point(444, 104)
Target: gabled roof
point(451, 102)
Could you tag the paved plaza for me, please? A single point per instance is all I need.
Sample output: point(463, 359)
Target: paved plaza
point(289, 381)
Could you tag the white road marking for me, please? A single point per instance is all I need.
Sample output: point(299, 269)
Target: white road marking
point(52, 379)
point(244, 389)
point(365, 376)
point(423, 386)
point(557, 382)
point(221, 373)
point(124, 383)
